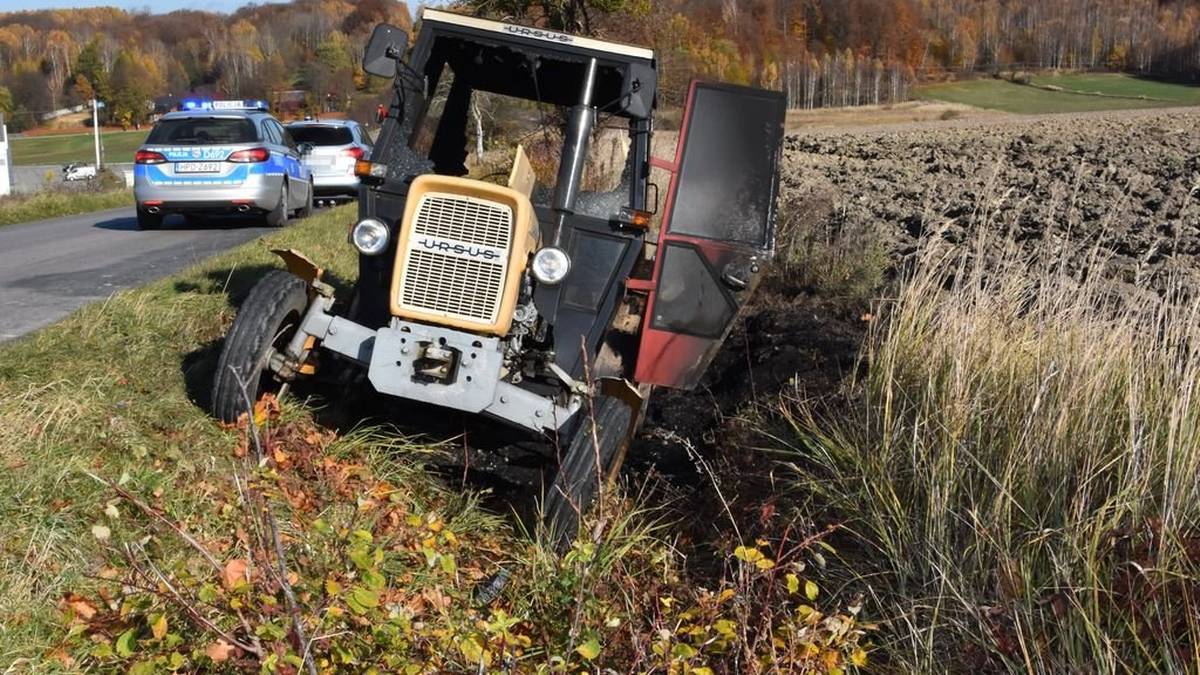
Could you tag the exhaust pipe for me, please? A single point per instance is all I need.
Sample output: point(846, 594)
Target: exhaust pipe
point(243, 208)
point(154, 209)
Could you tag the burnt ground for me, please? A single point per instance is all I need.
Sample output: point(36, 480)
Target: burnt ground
point(1126, 184)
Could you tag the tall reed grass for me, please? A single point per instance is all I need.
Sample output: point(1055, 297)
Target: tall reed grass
point(1019, 469)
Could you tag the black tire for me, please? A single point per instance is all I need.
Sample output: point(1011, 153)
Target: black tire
point(267, 319)
point(307, 209)
point(148, 221)
point(576, 486)
point(278, 216)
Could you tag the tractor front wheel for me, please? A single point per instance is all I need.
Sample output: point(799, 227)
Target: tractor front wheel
point(590, 460)
point(265, 324)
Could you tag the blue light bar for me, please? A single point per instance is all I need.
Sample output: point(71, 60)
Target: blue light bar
point(236, 104)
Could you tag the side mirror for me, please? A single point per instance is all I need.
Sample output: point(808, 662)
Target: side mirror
point(387, 46)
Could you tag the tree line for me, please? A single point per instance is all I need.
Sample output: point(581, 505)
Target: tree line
point(55, 59)
point(824, 52)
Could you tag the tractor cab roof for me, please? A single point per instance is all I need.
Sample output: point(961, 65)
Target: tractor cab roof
point(535, 64)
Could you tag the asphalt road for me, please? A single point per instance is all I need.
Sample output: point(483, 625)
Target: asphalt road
point(49, 268)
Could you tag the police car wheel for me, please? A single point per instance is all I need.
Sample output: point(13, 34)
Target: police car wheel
point(148, 221)
point(278, 216)
point(307, 209)
point(265, 322)
point(575, 488)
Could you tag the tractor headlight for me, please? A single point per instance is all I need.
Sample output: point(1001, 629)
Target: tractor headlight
point(370, 236)
point(550, 265)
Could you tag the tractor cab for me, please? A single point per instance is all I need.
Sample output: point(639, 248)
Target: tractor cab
point(515, 258)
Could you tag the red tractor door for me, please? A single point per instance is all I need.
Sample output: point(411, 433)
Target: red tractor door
point(718, 229)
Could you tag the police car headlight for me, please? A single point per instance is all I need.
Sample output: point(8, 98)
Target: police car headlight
point(370, 236)
point(550, 265)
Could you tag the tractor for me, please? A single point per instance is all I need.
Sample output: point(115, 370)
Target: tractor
point(553, 295)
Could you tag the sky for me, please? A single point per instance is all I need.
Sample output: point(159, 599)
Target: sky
point(155, 6)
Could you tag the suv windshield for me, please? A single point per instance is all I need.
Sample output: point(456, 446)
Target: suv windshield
point(318, 135)
point(202, 131)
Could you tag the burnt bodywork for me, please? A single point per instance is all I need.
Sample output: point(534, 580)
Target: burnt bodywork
point(536, 66)
point(718, 231)
point(627, 310)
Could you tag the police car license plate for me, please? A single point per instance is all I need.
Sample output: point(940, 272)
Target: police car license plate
point(197, 167)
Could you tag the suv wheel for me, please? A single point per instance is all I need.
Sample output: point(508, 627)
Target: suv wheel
point(147, 220)
point(579, 478)
point(265, 323)
point(307, 209)
point(278, 216)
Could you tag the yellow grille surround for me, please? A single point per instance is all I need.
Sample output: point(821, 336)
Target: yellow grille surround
point(461, 254)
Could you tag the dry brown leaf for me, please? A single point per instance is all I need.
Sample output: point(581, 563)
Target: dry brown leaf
point(219, 651)
point(234, 572)
point(83, 609)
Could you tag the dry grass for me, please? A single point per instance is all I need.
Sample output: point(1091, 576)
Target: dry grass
point(1018, 467)
point(55, 203)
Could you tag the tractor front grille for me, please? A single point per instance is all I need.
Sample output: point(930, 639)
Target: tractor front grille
point(456, 258)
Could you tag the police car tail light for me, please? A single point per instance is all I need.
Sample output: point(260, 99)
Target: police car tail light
point(356, 153)
point(249, 156)
point(149, 157)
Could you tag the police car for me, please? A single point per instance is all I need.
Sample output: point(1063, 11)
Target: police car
point(214, 157)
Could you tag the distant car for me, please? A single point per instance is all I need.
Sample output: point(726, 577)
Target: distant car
point(218, 157)
point(336, 146)
point(73, 171)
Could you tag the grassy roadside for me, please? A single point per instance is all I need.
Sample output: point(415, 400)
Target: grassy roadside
point(384, 557)
point(55, 203)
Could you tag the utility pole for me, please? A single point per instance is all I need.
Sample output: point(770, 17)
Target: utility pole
point(96, 129)
point(5, 160)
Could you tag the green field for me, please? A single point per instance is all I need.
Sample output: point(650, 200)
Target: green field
point(1077, 95)
point(118, 146)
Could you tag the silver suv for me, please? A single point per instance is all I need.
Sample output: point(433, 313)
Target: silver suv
point(335, 146)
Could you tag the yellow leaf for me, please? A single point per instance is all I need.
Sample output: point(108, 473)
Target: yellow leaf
point(473, 651)
point(810, 589)
point(332, 587)
point(159, 626)
point(764, 563)
point(793, 584)
point(859, 658)
point(702, 670)
point(747, 554)
point(589, 650)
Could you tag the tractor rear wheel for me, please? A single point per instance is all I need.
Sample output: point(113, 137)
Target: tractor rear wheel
point(265, 323)
point(589, 461)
